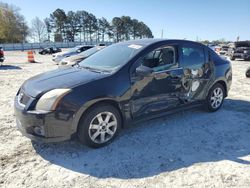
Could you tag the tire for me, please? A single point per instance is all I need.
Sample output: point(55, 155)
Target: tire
point(248, 73)
point(232, 58)
point(215, 98)
point(94, 130)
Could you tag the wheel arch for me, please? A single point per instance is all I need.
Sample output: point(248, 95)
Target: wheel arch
point(223, 83)
point(91, 104)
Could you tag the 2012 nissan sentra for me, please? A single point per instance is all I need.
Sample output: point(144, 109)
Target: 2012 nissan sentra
point(123, 83)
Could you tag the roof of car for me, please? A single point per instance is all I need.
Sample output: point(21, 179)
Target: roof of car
point(152, 41)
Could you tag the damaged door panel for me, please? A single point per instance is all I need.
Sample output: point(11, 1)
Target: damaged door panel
point(161, 89)
point(197, 72)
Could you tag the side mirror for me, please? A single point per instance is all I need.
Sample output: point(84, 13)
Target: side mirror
point(143, 71)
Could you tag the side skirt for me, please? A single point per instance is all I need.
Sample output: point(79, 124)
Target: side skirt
point(167, 112)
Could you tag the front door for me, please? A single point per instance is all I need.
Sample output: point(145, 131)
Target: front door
point(161, 89)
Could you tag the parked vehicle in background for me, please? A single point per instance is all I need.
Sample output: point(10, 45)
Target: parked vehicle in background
point(215, 48)
point(240, 50)
point(81, 56)
point(1, 56)
point(248, 72)
point(76, 50)
point(127, 81)
point(223, 50)
point(101, 44)
point(49, 50)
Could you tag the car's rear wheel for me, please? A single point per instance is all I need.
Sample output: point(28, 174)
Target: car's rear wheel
point(215, 97)
point(232, 58)
point(99, 126)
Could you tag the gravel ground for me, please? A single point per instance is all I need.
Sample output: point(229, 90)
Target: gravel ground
point(187, 149)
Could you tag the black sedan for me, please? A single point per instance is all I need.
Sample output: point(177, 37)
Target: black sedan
point(125, 82)
point(49, 50)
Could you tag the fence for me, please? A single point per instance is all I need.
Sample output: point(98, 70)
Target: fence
point(29, 46)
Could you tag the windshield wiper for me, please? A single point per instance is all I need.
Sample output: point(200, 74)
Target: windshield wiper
point(91, 69)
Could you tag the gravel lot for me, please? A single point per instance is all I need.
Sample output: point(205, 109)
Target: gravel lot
point(187, 149)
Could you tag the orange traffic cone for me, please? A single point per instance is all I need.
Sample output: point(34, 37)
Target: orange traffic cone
point(31, 58)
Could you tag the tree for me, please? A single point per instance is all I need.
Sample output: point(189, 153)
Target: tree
point(91, 23)
point(125, 28)
point(49, 27)
point(135, 28)
point(73, 22)
point(38, 29)
point(117, 28)
point(60, 19)
point(103, 27)
point(83, 16)
point(13, 26)
point(71, 26)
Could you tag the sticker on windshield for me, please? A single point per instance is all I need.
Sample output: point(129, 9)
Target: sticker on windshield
point(135, 46)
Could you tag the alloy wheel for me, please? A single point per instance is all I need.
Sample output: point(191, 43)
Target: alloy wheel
point(102, 127)
point(216, 98)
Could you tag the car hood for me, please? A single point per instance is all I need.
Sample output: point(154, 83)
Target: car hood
point(73, 58)
point(67, 77)
point(67, 54)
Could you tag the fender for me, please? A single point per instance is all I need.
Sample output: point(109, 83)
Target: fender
point(124, 110)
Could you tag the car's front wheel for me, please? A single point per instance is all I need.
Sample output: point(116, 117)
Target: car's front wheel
point(99, 126)
point(215, 97)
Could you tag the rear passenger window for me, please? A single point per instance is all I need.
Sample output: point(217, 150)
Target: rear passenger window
point(192, 56)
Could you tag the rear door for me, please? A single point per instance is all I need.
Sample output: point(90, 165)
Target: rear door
point(197, 71)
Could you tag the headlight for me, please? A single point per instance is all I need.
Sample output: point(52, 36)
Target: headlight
point(49, 100)
point(245, 51)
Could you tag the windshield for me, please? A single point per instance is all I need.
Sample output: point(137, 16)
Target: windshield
point(111, 58)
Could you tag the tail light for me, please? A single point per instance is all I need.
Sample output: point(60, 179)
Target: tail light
point(1, 52)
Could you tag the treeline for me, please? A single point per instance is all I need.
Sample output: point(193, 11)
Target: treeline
point(61, 26)
point(13, 28)
point(82, 25)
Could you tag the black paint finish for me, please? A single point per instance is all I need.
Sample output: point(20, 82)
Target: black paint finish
point(137, 93)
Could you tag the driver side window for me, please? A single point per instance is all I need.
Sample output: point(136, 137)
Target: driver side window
point(160, 59)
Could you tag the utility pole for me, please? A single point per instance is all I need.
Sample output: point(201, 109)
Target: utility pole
point(162, 33)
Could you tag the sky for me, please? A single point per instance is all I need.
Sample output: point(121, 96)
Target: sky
point(178, 19)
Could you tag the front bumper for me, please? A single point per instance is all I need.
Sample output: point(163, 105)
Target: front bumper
point(56, 126)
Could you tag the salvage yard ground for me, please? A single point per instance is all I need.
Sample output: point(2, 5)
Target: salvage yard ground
point(189, 149)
